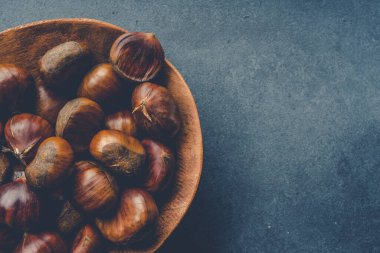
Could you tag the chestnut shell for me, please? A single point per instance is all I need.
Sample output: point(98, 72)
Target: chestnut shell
point(20, 207)
point(155, 111)
point(137, 56)
point(122, 154)
point(136, 215)
point(15, 85)
point(161, 165)
point(24, 132)
point(122, 121)
point(48, 104)
point(78, 121)
point(94, 189)
point(87, 240)
point(46, 242)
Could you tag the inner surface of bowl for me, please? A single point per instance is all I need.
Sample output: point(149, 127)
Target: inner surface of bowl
point(24, 46)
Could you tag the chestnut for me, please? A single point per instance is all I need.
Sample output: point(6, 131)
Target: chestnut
point(161, 164)
point(5, 167)
point(94, 189)
point(8, 238)
point(15, 85)
point(48, 103)
point(69, 218)
point(137, 56)
point(24, 132)
point(63, 66)
point(102, 85)
point(155, 110)
point(20, 207)
point(45, 242)
point(51, 165)
point(87, 241)
point(135, 217)
point(122, 121)
point(78, 121)
point(122, 154)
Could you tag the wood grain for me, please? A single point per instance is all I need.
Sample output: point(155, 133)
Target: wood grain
point(24, 46)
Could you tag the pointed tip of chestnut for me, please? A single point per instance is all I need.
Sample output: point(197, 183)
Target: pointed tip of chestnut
point(137, 56)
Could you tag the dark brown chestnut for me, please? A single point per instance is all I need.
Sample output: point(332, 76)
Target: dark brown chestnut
point(8, 238)
point(78, 121)
point(122, 121)
point(122, 154)
point(87, 241)
point(24, 132)
point(94, 189)
point(64, 65)
point(161, 165)
point(136, 216)
point(5, 167)
point(51, 165)
point(46, 242)
point(48, 104)
point(15, 84)
point(155, 111)
point(102, 85)
point(20, 207)
point(69, 218)
point(137, 56)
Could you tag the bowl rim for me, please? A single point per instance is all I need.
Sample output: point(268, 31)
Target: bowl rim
point(196, 119)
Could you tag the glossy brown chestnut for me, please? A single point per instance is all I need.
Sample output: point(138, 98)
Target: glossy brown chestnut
point(102, 85)
point(122, 154)
point(24, 132)
point(87, 241)
point(46, 242)
point(137, 56)
point(161, 165)
point(15, 84)
point(5, 167)
point(94, 189)
point(78, 121)
point(135, 217)
point(20, 207)
point(48, 104)
point(69, 218)
point(122, 121)
point(51, 165)
point(155, 111)
point(8, 238)
point(65, 65)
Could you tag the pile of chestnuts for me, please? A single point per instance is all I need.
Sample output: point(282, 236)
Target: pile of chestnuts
point(84, 161)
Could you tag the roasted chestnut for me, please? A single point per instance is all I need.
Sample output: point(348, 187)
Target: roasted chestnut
point(15, 85)
point(69, 218)
point(46, 242)
point(24, 132)
point(48, 104)
point(102, 85)
point(137, 56)
point(87, 241)
point(63, 66)
point(135, 218)
point(8, 238)
point(78, 121)
point(161, 164)
point(20, 207)
point(51, 165)
point(5, 167)
point(122, 121)
point(94, 189)
point(122, 154)
point(155, 110)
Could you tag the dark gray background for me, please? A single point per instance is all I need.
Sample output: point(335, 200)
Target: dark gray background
point(289, 99)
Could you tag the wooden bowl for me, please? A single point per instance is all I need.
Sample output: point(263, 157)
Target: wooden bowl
point(24, 46)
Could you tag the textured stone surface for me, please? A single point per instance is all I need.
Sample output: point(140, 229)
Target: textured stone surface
point(289, 95)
